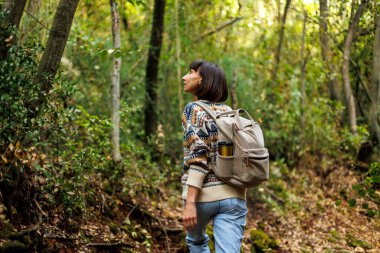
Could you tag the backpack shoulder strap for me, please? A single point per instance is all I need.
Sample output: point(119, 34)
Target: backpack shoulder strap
point(206, 108)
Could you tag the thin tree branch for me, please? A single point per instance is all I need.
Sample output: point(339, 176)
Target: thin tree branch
point(33, 17)
point(222, 26)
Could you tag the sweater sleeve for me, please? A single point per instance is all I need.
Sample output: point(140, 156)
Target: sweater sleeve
point(194, 146)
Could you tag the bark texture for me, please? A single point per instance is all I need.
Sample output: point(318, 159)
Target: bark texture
point(350, 100)
point(56, 43)
point(375, 89)
point(16, 9)
point(325, 50)
point(152, 67)
point(115, 83)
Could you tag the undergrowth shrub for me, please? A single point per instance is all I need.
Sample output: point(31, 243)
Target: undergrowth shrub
point(81, 166)
point(367, 192)
point(316, 131)
point(73, 146)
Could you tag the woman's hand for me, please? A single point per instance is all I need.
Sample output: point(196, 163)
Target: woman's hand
point(189, 215)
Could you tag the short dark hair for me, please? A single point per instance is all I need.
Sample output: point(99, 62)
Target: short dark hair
point(213, 86)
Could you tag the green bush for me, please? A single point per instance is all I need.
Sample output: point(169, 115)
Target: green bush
point(320, 134)
point(367, 191)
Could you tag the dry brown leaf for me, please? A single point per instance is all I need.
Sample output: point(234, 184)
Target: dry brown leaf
point(5, 160)
point(11, 147)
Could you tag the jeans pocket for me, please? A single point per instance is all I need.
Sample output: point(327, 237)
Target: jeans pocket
point(236, 205)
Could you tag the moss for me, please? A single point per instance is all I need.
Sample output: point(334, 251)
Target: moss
point(211, 243)
point(262, 242)
point(334, 236)
point(114, 228)
point(355, 242)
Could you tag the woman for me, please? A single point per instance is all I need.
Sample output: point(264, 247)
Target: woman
point(206, 197)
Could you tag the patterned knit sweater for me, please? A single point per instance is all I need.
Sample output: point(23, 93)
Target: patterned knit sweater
point(200, 147)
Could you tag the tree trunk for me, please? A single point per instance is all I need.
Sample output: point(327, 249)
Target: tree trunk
point(16, 9)
point(350, 100)
point(375, 89)
point(277, 54)
point(303, 71)
point(56, 43)
point(115, 83)
point(325, 50)
point(234, 99)
point(152, 67)
point(178, 54)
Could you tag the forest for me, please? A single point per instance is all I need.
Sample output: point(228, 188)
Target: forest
point(91, 100)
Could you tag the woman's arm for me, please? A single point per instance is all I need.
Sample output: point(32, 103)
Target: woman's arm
point(189, 215)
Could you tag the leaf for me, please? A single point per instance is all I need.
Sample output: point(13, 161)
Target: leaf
point(8, 41)
point(375, 179)
point(352, 202)
point(11, 147)
point(20, 154)
point(4, 159)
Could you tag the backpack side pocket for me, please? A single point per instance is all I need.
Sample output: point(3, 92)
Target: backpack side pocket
point(224, 165)
point(254, 166)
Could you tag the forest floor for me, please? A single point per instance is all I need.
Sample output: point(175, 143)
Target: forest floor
point(302, 212)
point(315, 215)
point(299, 210)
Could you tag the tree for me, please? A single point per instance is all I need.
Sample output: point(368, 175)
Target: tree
point(115, 83)
point(325, 50)
point(375, 89)
point(178, 56)
point(303, 69)
point(55, 46)
point(152, 67)
point(350, 100)
point(16, 9)
point(233, 93)
point(277, 53)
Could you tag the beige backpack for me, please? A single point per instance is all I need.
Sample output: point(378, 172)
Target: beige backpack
point(248, 165)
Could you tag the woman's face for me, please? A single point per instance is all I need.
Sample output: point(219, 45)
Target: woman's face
point(191, 81)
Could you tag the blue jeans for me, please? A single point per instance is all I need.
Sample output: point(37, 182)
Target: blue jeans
point(228, 217)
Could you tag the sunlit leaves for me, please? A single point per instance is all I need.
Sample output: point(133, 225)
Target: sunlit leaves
point(138, 3)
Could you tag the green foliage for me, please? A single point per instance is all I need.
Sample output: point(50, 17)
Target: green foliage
point(18, 91)
point(334, 236)
point(355, 242)
point(262, 242)
point(79, 151)
point(137, 2)
point(81, 164)
point(367, 189)
point(138, 233)
point(277, 193)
